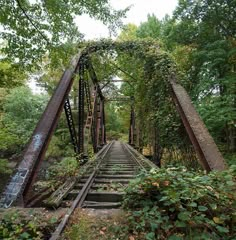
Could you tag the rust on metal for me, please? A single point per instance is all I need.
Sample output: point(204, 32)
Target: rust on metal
point(71, 126)
point(17, 190)
point(205, 147)
point(132, 124)
point(81, 111)
point(82, 194)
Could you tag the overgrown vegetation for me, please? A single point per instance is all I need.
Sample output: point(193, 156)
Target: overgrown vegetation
point(198, 43)
point(174, 203)
point(26, 224)
point(60, 171)
point(101, 225)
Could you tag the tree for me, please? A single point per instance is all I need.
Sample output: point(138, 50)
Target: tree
point(217, 15)
point(21, 111)
point(151, 28)
point(33, 28)
point(128, 32)
point(11, 75)
point(212, 32)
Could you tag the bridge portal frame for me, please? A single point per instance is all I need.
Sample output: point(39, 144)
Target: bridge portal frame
point(18, 189)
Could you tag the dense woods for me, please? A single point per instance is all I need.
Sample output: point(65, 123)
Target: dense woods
point(198, 43)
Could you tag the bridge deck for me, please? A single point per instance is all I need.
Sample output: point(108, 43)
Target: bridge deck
point(113, 176)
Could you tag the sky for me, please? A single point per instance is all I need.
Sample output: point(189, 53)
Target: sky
point(93, 29)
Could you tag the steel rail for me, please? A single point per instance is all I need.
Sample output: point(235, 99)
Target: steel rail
point(132, 155)
point(138, 156)
point(82, 194)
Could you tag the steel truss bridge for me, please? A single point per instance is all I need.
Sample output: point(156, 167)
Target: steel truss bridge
point(92, 128)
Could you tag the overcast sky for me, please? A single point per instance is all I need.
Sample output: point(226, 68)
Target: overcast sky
point(137, 14)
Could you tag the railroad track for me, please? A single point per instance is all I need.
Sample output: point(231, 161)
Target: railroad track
point(102, 186)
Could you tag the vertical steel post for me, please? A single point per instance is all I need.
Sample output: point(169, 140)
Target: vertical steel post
point(81, 111)
point(71, 126)
point(103, 140)
point(98, 128)
point(132, 124)
point(94, 117)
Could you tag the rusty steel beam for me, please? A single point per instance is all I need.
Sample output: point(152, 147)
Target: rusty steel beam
point(81, 111)
point(94, 78)
point(98, 124)
point(103, 128)
point(71, 126)
point(18, 188)
point(208, 153)
point(132, 124)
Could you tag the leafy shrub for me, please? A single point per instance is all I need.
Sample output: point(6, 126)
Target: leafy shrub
point(21, 112)
point(4, 168)
point(16, 224)
point(174, 203)
point(10, 142)
point(65, 168)
point(54, 150)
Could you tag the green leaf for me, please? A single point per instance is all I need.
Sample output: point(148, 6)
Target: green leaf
point(154, 226)
point(202, 208)
point(213, 206)
point(175, 237)
point(25, 235)
point(53, 220)
point(192, 204)
point(150, 236)
point(180, 224)
point(222, 229)
point(184, 216)
point(230, 183)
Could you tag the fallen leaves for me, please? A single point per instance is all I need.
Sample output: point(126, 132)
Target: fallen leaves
point(155, 184)
point(102, 230)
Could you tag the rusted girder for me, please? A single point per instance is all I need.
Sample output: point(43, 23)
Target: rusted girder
point(71, 126)
point(103, 128)
point(18, 188)
point(205, 147)
point(81, 111)
point(132, 124)
point(94, 78)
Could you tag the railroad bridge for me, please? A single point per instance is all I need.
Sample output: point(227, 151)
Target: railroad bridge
point(116, 163)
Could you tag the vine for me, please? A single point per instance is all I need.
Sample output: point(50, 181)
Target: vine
point(153, 101)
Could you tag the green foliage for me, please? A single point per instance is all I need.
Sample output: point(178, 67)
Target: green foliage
point(216, 13)
point(128, 32)
point(10, 142)
point(28, 38)
point(211, 62)
point(63, 169)
point(148, 70)
point(21, 111)
point(56, 148)
point(4, 168)
point(11, 75)
point(113, 123)
point(201, 39)
point(151, 28)
point(25, 225)
point(174, 203)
